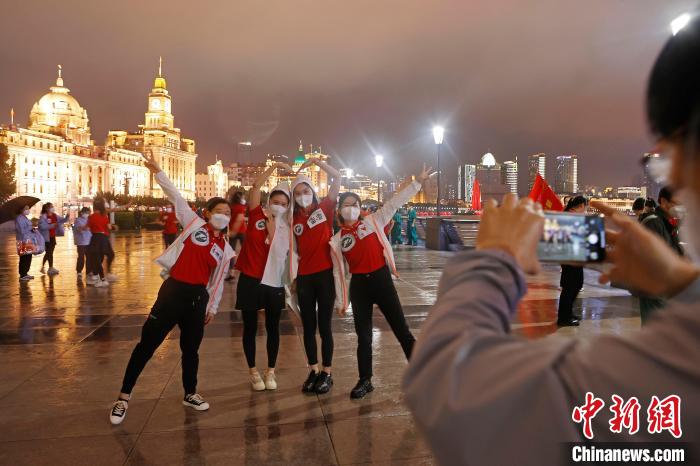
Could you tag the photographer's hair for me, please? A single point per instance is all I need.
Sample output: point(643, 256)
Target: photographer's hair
point(639, 203)
point(673, 94)
point(575, 202)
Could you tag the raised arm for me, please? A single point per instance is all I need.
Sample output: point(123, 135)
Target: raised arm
point(334, 188)
point(254, 196)
point(182, 209)
point(385, 214)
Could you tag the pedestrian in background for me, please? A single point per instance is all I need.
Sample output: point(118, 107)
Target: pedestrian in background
point(659, 219)
point(396, 237)
point(237, 228)
point(23, 231)
point(571, 276)
point(81, 238)
point(411, 232)
point(169, 221)
point(50, 226)
point(100, 247)
point(138, 215)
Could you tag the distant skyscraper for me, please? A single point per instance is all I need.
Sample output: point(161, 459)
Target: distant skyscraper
point(566, 177)
point(466, 174)
point(509, 175)
point(488, 172)
point(652, 185)
point(535, 164)
point(451, 192)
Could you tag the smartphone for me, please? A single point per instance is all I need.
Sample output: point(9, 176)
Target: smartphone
point(572, 238)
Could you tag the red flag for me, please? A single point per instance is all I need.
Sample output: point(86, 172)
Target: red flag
point(542, 193)
point(476, 196)
point(537, 188)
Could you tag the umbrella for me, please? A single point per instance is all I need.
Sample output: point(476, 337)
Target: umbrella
point(8, 211)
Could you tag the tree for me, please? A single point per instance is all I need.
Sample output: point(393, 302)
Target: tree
point(8, 185)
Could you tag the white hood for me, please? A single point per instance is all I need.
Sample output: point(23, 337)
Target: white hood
point(276, 270)
point(304, 179)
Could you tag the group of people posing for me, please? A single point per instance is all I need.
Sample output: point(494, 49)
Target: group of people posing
point(90, 233)
point(292, 258)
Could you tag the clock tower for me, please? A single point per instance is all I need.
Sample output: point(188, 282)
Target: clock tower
point(159, 114)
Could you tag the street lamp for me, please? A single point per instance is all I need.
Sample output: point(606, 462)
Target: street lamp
point(438, 135)
point(378, 162)
point(679, 23)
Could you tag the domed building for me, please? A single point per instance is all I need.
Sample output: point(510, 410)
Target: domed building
point(59, 113)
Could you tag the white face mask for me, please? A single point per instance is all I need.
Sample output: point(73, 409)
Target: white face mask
point(351, 213)
point(168, 210)
point(305, 200)
point(85, 215)
point(277, 210)
point(52, 210)
point(219, 221)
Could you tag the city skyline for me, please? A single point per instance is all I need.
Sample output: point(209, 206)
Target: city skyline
point(376, 83)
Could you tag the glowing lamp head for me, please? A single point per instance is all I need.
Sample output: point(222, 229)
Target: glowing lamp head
point(679, 23)
point(438, 134)
point(379, 160)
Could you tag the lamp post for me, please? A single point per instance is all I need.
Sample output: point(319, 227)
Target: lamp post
point(378, 162)
point(438, 135)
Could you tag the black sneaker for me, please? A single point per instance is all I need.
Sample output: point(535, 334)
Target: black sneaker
point(324, 382)
point(363, 387)
point(194, 400)
point(310, 383)
point(571, 322)
point(118, 412)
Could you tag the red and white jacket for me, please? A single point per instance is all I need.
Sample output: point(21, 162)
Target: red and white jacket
point(374, 223)
point(191, 222)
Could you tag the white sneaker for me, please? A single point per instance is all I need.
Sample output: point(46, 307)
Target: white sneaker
point(92, 279)
point(25, 278)
point(270, 381)
point(101, 284)
point(256, 382)
point(110, 277)
point(52, 271)
point(195, 401)
point(118, 412)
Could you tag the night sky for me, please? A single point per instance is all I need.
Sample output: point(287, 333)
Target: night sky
point(513, 77)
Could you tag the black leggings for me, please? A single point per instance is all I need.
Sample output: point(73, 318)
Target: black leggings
point(317, 288)
point(99, 248)
point(25, 263)
point(365, 291)
point(82, 257)
point(251, 296)
point(571, 283)
point(169, 238)
point(48, 256)
point(178, 304)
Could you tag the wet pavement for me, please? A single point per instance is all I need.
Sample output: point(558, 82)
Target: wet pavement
point(64, 347)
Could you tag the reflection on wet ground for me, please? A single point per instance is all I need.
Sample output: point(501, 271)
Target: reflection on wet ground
point(64, 346)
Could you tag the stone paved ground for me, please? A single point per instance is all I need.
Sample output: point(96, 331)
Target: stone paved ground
point(64, 346)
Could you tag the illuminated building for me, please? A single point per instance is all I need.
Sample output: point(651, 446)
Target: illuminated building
point(509, 175)
point(490, 177)
point(56, 159)
point(566, 176)
point(466, 174)
point(174, 153)
point(213, 183)
point(648, 180)
point(536, 163)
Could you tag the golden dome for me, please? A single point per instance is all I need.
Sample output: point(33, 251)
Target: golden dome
point(60, 110)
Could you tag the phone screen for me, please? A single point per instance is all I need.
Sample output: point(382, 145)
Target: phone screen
point(571, 237)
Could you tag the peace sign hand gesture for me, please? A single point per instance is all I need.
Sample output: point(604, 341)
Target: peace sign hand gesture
point(425, 174)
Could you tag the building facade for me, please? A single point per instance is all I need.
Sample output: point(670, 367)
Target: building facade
point(213, 183)
point(57, 161)
point(536, 163)
point(175, 154)
point(466, 174)
point(490, 177)
point(566, 176)
point(509, 175)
